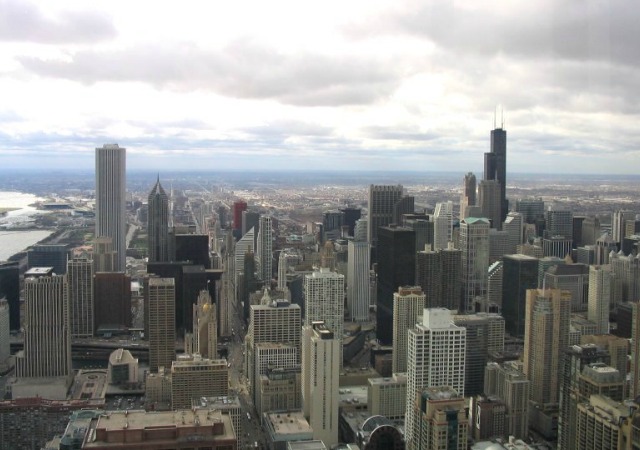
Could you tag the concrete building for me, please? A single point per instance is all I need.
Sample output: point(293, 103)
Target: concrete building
point(474, 243)
point(104, 256)
point(507, 382)
point(468, 197)
point(159, 305)
point(324, 300)
point(264, 250)
point(111, 199)
point(490, 202)
point(123, 368)
point(80, 290)
point(193, 377)
point(443, 225)
point(438, 274)
point(519, 275)
point(604, 423)
point(10, 289)
point(388, 396)
point(600, 278)
point(204, 339)
point(513, 225)
point(358, 288)
point(279, 390)
point(442, 420)
point(270, 356)
point(320, 373)
point(5, 350)
point(381, 202)
point(289, 428)
point(635, 351)
point(436, 357)
point(408, 304)
point(49, 255)
point(573, 278)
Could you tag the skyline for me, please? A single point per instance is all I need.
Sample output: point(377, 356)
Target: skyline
point(379, 86)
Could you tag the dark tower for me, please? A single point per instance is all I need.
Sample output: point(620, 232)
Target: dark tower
point(158, 224)
point(495, 165)
point(10, 288)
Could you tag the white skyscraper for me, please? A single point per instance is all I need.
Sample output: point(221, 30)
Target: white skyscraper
point(358, 289)
point(599, 297)
point(443, 225)
point(282, 271)
point(436, 357)
point(474, 243)
point(324, 300)
point(80, 289)
point(111, 199)
point(264, 254)
point(320, 373)
point(408, 304)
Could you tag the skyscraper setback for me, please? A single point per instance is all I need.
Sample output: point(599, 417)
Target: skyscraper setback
point(158, 224)
point(110, 198)
point(495, 166)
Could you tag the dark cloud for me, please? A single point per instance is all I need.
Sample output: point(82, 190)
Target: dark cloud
point(243, 69)
point(23, 21)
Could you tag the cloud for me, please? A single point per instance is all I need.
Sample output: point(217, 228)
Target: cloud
point(24, 21)
point(243, 69)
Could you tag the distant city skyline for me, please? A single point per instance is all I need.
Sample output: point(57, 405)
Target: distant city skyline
point(370, 85)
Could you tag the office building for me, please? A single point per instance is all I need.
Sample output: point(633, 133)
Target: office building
point(396, 267)
point(605, 423)
point(490, 202)
point(404, 205)
point(264, 250)
point(573, 278)
point(320, 372)
point(159, 307)
point(270, 356)
point(193, 248)
point(279, 390)
point(104, 257)
point(381, 202)
point(507, 382)
point(544, 264)
point(194, 377)
point(558, 222)
point(520, 273)
point(513, 226)
point(80, 290)
point(47, 334)
point(239, 207)
point(468, 197)
point(358, 288)
point(204, 339)
point(351, 216)
point(558, 246)
point(618, 224)
point(438, 274)
point(111, 199)
point(436, 357)
point(388, 396)
point(635, 351)
point(360, 230)
point(495, 166)
point(626, 278)
point(408, 304)
point(485, 333)
point(546, 337)
point(488, 417)
point(423, 229)
point(112, 300)
point(324, 300)
point(123, 368)
point(532, 210)
point(590, 230)
point(498, 245)
point(474, 243)
point(442, 420)
point(158, 224)
point(586, 255)
point(5, 350)
point(49, 255)
point(599, 297)
point(244, 245)
point(442, 225)
point(10, 289)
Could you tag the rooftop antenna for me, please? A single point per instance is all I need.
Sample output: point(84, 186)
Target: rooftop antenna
point(495, 113)
point(502, 117)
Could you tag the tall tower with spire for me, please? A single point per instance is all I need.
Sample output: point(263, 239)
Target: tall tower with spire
point(158, 224)
point(495, 163)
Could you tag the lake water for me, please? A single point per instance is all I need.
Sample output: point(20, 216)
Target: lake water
point(14, 240)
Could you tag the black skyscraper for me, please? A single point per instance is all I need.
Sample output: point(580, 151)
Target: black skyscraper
point(158, 224)
point(495, 166)
point(396, 267)
point(10, 288)
point(520, 273)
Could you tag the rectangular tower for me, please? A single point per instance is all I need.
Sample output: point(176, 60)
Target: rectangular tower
point(408, 304)
point(358, 289)
point(160, 298)
point(111, 199)
point(381, 202)
point(474, 243)
point(80, 289)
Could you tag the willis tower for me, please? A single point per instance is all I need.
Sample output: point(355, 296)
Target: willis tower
point(495, 165)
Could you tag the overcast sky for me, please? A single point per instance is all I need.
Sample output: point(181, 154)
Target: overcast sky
point(402, 85)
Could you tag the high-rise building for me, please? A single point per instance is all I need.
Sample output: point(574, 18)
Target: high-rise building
point(599, 297)
point(423, 229)
point(112, 300)
point(5, 350)
point(360, 230)
point(635, 351)
point(494, 287)
point(618, 224)
point(507, 382)
point(408, 304)
point(388, 396)
point(80, 290)
point(544, 264)
point(104, 257)
point(351, 215)
point(324, 300)
point(545, 341)
point(264, 254)
point(438, 274)
point(443, 225)
point(495, 166)
point(532, 209)
point(111, 199)
point(513, 225)
point(396, 267)
point(626, 278)
point(320, 373)
point(490, 202)
point(159, 306)
point(205, 328)
point(485, 333)
point(49, 255)
point(194, 377)
point(405, 205)
point(605, 423)
point(573, 278)
point(436, 357)
point(474, 243)
point(239, 206)
point(381, 202)
point(442, 420)
point(519, 274)
point(158, 224)
point(358, 288)
point(605, 246)
point(498, 245)
point(468, 197)
point(590, 230)
point(47, 336)
point(245, 244)
point(558, 222)
point(10, 289)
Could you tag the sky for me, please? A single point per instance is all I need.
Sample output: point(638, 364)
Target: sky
point(358, 85)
